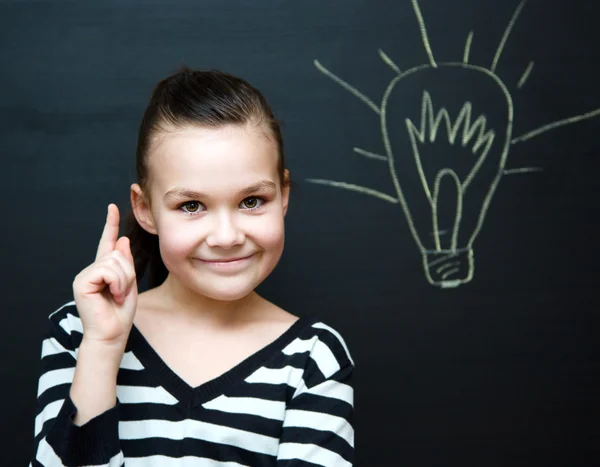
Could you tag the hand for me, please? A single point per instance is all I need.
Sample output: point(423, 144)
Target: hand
point(106, 291)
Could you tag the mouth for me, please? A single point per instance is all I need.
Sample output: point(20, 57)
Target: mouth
point(225, 261)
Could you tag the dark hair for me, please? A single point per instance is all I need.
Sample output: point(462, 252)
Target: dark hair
point(210, 99)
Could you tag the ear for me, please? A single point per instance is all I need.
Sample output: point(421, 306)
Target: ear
point(141, 209)
point(285, 191)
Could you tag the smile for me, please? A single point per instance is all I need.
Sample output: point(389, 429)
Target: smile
point(226, 263)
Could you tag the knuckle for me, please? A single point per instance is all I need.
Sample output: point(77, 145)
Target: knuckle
point(109, 264)
point(106, 271)
point(118, 257)
point(80, 276)
point(129, 270)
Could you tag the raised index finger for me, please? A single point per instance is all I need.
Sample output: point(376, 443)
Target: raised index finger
point(110, 234)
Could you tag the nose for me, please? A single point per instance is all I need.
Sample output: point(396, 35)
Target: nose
point(224, 232)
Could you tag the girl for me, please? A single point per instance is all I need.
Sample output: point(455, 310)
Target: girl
point(199, 370)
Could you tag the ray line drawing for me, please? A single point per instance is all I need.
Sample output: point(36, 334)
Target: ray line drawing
point(458, 157)
point(348, 87)
point(522, 170)
point(388, 61)
point(553, 125)
point(506, 34)
point(468, 47)
point(525, 75)
point(423, 30)
point(357, 188)
point(372, 155)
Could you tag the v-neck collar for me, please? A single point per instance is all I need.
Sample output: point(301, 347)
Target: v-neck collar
point(189, 396)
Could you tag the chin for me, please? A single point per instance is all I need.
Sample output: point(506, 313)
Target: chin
point(225, 290)
point(226, 295)
point(223, 287)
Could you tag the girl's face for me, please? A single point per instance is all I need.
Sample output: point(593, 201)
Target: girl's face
point(217, 206)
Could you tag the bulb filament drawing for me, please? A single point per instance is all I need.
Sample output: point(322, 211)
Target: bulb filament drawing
point(457, 154)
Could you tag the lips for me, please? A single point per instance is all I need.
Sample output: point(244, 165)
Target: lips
point(224, 260)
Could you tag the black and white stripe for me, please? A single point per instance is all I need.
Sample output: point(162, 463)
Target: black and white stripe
point(290, 404)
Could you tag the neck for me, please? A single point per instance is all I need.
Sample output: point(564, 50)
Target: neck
point(195, 308)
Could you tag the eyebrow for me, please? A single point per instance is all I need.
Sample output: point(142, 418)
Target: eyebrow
point(181, 193)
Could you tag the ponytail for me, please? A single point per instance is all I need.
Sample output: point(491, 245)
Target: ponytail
point(146, 253)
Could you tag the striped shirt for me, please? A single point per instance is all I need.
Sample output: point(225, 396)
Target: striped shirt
point(289, 404)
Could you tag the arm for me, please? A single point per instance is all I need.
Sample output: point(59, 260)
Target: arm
point(59, 441)
point(77, 420)
point(318, 423)
point(317, 429)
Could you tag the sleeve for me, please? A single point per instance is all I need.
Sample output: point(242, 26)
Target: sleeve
point(318, 423)
point(58, 442)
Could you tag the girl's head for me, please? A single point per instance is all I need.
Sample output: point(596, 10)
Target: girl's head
point(212, 187)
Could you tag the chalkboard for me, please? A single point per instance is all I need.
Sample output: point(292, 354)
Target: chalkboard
point(444, 218)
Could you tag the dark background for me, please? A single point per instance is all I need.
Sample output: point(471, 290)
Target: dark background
point(501, 371)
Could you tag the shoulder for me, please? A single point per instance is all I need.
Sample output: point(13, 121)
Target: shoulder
point(320, 348)
point(311, 337)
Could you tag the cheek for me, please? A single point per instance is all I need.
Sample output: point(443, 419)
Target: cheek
point(175, 239)
point(270, 235)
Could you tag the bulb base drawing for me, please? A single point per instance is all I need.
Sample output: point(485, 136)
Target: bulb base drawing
point(448, 268)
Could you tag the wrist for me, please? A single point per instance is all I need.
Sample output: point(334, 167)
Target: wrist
point(105, 347)
point(94, 388)
point(100, 356)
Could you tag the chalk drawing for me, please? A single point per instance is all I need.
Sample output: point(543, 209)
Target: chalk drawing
point(478, 147)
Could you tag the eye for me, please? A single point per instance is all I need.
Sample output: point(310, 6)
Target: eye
point(191, 207)
point(252, 202)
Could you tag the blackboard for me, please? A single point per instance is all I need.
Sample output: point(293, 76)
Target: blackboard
point(474, 336)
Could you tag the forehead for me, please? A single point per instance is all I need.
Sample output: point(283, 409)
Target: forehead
point(212, 158)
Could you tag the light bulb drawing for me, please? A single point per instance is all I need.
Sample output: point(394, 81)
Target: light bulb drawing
point(458, 153)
